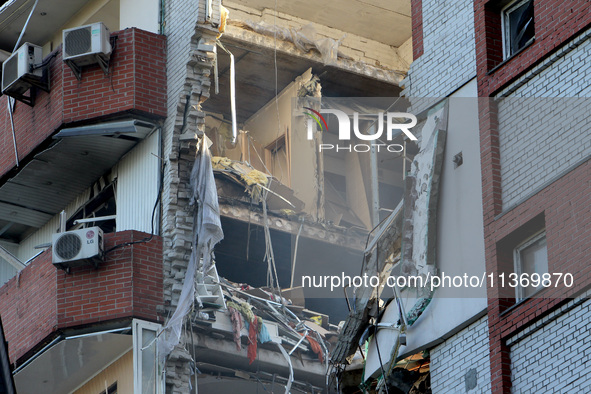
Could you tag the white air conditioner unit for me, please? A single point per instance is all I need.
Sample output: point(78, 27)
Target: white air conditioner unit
point(78, 247)
point(18, 74)
point(85, 45)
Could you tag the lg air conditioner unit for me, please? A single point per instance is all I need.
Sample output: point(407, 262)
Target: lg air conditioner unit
point(78, 247)
point(22, 70)
point(85, 45)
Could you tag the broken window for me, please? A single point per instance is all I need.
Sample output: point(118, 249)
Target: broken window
point(101, 205)
point(518, 26)
point(531, 257)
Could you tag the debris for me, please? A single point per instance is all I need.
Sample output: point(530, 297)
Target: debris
point(252, 340)
point(279, 196)
point(236, 324)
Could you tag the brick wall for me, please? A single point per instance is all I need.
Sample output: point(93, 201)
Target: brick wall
point(136, 82)
point(531, 171)
point(539, 140)
point(128, 283)
point(188, 75)
point(32, 124)
point(28, 306)
point(417, 28)
point(448, 58)
point(564, 205)
point(556, 22)
point(552, 355)
point(43, 300)
point(461, 363)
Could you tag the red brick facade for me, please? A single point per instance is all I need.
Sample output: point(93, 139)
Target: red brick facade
point(136, 83)
point(562, 208)
point(417, 28)
point(565, 208)
point(556, 22)
point(42, 300)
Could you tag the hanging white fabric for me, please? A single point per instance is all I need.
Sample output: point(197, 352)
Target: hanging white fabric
point(207, 232)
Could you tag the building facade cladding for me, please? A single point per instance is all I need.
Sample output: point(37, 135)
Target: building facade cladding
point(538, 364)
point(527, 187)
point(461, 363)
point(448, 59)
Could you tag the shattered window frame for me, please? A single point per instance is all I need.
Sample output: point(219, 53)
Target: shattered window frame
point(513, 41)
point(521, 292)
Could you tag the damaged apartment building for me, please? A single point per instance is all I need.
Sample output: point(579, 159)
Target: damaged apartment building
point(161, 196)
point(513, 197)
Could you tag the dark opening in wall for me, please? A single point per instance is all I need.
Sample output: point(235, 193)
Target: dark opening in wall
point(510, 28)
point(101, 204)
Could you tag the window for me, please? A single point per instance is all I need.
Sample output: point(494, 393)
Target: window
point(531, 257)
point(147, 376)
point(277, 159)
point(518, 26)
point(112, 389)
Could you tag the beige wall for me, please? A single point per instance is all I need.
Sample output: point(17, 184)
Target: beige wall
point(121, 371)
point(106, 11)
point(143, 14)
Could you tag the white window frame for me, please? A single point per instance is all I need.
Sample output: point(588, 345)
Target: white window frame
point(137, 327)
point(505, 27)
point(519, 293)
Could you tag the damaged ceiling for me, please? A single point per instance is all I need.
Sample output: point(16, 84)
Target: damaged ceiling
point(382, 20)
point(255, 79)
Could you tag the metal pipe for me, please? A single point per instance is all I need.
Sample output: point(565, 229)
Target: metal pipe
point(9, 103)
point(90, 334)
point(298, 344)
point(375, 191)
point(63, 221)
point(25, 26)
point(295, 254)
point(289, 382)
point(97, 219)
point(232, 92)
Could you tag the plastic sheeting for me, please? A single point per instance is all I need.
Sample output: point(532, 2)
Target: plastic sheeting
point(207, 232)
point(305, 39)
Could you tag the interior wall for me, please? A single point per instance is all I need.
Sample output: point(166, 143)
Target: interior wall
point(106, 11)
point(143, 14)
point(263, 128)
point(120, 371)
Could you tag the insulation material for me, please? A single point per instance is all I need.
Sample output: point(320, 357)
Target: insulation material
point(305, 39)
point(419, 235)
point(255, 177)
point(420, 216)
point(207, 232)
